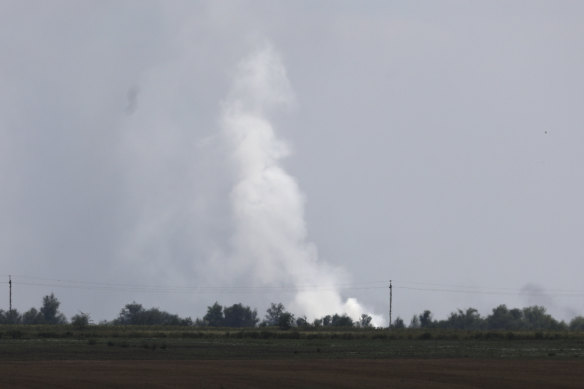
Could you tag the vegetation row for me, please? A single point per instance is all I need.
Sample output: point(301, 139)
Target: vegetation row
point(533, 318)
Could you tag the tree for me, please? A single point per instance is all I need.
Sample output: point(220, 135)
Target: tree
point(398, 323)
point(286, 321)
point(131, 314)
point(341, 320)
point(273, 314)
point(10, 317)
point(239, 316)
point(536, 318)
point(463, 320)
point(50, 311)
point(135, 314)
point(276, 315)
point(80, 321)
point(426, 319)
point(577, 323)
point(214, 316)
point(472, 319)
point(504, 319)
point(415, 322)
point(302, 322)
point(32, 316)
point(155, 316)
point(365, 321)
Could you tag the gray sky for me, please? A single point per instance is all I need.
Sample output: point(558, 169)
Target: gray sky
point(438, 144)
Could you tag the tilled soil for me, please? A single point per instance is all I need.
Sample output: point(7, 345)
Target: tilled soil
point(343, 373)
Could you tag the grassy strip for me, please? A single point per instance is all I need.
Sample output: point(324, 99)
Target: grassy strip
point(135, 342)
point(98, 332)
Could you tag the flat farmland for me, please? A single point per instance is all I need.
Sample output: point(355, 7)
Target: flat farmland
point(342, 373)
point(61, 356)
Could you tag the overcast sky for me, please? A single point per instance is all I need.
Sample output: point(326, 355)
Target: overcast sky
point(434, 143)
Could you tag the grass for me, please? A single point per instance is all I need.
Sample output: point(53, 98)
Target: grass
point(167, 343)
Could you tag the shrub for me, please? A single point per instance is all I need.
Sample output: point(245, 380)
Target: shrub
point(80, 321)
point(426, 336)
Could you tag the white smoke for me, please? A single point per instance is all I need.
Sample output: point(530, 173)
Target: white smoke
point(270, 237)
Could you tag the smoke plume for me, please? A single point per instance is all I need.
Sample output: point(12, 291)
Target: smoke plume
point(270, 237)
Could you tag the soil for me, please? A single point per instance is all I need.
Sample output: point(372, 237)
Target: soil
point(344, 373)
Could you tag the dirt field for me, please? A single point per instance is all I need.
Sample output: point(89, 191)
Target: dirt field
point(362, 373)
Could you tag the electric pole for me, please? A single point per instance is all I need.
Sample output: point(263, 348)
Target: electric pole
point(10, 294)
point(390, 290)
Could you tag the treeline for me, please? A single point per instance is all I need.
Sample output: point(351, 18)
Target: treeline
point(501, 318)
point(276, 316)
point(48, 313)
point(238, 315)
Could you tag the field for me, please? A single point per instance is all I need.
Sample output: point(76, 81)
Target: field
point(108, 356)
point(344, 373)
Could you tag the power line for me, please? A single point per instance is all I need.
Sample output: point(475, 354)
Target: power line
point(362, 285)
point(452, 286)
point(161, 289)
point(188, 290)
point(509, 293)
point(35, 281)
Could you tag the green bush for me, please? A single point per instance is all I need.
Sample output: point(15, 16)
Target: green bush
point(15, 334)
point(80, 321)
point(425, 336)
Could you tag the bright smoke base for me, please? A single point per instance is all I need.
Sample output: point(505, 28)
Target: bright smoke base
point(270, 238)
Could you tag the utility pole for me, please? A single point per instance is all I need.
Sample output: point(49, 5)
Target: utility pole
point(390, 290)
point(10, 293)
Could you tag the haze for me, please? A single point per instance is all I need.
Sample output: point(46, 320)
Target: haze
point(436, 144)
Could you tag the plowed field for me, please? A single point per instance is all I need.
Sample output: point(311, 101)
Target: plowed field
point(342, 373)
